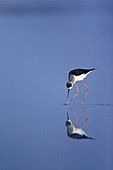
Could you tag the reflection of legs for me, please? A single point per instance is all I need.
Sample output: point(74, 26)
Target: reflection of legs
point(85, 116)
point(86, 92)
point(74, 113)
point(75, 94)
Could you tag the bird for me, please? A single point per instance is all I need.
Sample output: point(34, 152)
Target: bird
point(75, 132)
point(75, 76)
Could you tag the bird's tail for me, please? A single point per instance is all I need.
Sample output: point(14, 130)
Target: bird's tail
point(94, 69)
point(92, 138)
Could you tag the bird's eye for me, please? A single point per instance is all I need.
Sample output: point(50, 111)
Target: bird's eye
point(67, 123)
point(68, 84)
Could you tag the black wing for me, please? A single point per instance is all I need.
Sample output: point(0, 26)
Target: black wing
point(80, 71)
point(78, 136)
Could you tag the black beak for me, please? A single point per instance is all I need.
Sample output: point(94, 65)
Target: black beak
point(67, 116)
point(68, 92)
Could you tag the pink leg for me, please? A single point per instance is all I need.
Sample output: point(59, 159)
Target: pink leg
point(86, 92)
point(85, 116)
point(74, 113)
point(75, 94)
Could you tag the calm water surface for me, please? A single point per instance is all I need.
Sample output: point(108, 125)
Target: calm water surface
point(37, 51)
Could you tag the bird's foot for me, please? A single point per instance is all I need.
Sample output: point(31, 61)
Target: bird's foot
point(65, 103)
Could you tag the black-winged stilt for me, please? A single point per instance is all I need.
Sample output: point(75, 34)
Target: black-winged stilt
point(75, 132)
point(75, 76)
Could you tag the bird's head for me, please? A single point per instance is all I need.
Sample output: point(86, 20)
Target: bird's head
point(68, 122)
point(69, 86)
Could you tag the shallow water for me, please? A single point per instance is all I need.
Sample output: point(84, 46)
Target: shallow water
point(38, 49)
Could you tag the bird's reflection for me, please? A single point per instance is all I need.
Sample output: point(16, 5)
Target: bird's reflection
point(72, 130)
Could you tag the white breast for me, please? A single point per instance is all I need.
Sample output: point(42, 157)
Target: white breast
point(79, 78)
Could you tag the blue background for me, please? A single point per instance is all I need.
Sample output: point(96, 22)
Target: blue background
point(40, 42)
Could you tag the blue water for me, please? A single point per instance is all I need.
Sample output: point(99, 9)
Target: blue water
point(37, 50)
